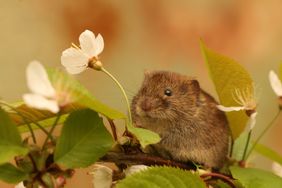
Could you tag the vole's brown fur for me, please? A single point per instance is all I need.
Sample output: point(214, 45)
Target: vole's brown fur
point(189, 124)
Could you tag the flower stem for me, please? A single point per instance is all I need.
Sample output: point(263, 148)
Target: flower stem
point(231, 146)
point(247, 145)
point(51, 130)
point(263, 133)
point(24, 119)
point(122, 90)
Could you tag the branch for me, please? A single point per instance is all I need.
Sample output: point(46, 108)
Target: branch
point(224, 178)
point(142, 158)
point(113, 128)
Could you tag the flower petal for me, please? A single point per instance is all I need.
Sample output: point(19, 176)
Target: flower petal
point(275, 83)
point(231, 108)
point(277, 168)
point(38, 81)
point(73, 57)
point(75, 70)
point(87, 42)
point(99, 45)
point(40, 102)
point(252, 122)
point(134, 169)
point(20, 185)
point(102, 176)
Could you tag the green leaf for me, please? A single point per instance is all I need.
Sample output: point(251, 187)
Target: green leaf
point(84, 139)
point(158, 177)
point(269, 153)
point(228, 75)
point(145, 137)
point(10, 139)
point(24, 115)
point(81, 95)
point(256, 178)
point(11, 174)
point(44, 123)
point(239, 146)
point(221, 184)
point(9, 151)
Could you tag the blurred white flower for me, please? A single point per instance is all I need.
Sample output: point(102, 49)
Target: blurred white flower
point(76, 59)
point(245, 99)
point(102, 176)
point(20, 185)
point(43, 95)
point(277, 168)
point(275, 83)
point(134, 169)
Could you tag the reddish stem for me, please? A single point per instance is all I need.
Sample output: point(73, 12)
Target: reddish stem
point(226, 179)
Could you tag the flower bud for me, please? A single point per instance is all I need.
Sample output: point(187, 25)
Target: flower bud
point(97, 65)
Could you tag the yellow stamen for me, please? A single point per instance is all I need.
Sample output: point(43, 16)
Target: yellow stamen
point(75, 46)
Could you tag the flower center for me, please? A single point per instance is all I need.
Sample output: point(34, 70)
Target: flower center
point(63, 98)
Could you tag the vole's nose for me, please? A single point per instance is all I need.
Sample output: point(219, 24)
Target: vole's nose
point(146, 105)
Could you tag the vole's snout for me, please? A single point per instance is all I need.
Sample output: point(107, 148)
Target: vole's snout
point(146, 105)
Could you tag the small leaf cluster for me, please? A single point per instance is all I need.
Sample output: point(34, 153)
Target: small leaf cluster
point(82, 141)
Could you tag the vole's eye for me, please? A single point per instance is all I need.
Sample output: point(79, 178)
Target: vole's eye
point(167, 92)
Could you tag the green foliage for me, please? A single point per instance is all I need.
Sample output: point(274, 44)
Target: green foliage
point(239, 146)
point(81, 95)
point(144, 136)
point(81, 98)
point(256, 178)
point(22, 115)
point(10, 139)
point(44, 123)
point(167, 177)
point(84, 139)
point(269, 153)
point(228, 75)
point(11, 174)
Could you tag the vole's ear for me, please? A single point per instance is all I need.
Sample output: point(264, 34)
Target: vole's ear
point(195, 84)
point(148, 72)
point(190, 86)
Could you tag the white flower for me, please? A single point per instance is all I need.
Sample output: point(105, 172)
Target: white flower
point(245, 99)
point(275, 83)
point(43, 95)
point(76, 59)
point(277, 169)
point(248, 103)
point(102, 176)
point(134, 168)
point(20, 185)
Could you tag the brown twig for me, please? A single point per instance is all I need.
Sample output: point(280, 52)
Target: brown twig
point(113, 128)
point(35, 169)
point(142, 158)
point(224, 178)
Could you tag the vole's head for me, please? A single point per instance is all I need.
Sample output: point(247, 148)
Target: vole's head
point(166, 96)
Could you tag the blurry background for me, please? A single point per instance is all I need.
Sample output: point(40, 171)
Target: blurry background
point(142, 35)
